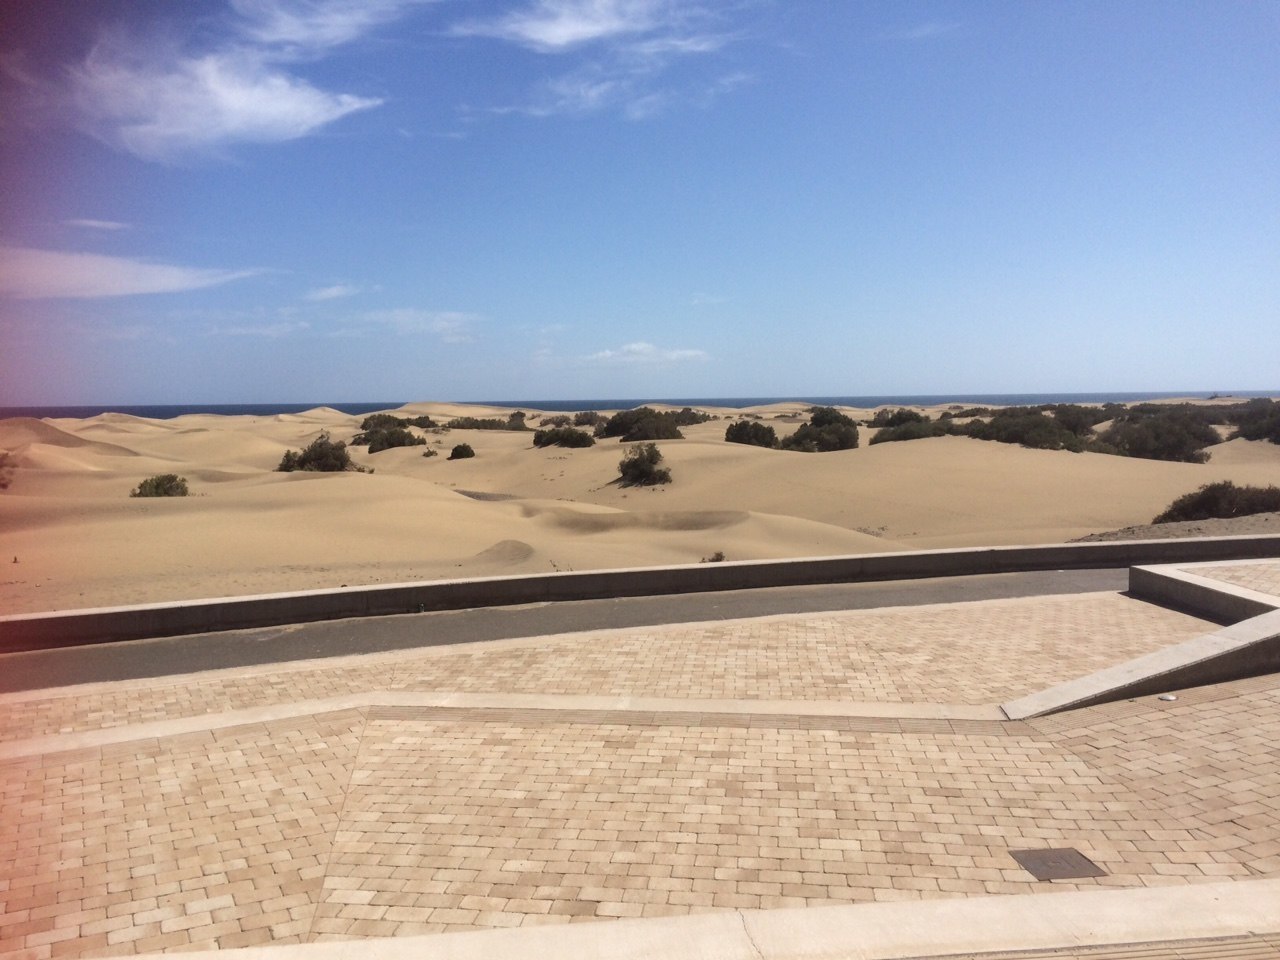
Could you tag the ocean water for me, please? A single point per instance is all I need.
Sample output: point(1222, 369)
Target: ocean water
point(169, 411)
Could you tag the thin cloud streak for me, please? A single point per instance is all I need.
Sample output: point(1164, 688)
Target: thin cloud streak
point(550, 26)
point(30, 274)
point(269, 331)
point(316, 25)
point(335, 292)
point(646, 353)
point(449, 326)
point(637, 40)
point(924, 31)
point(97, 224)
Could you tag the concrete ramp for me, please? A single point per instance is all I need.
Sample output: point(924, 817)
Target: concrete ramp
point(1249, 647)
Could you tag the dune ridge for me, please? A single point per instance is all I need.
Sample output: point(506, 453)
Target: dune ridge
point(80, 540)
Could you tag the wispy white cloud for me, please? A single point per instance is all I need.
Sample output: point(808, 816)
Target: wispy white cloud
point(160, 100)
point(449, 326)
point(923, 31)
point(97, 224)
point(335, 292)
point(642, 352)
point(163, 108)
point(312, 25)
point(31, 274)
point(553, 25)
point(629, 45)
point(269, 331)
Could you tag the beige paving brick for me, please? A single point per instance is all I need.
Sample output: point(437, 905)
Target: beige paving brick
point(395, 824)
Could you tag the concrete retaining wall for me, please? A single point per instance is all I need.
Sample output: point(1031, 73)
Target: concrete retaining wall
point(75, 627)
point(1201, 597)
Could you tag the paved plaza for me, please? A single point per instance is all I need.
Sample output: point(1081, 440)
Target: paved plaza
point(790, 761)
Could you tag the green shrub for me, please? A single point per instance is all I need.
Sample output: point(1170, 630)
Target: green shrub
point(687, 417)
point(896, 418)
point(380, 421)
point(462, 451)
point(514, 422)
point(387, 437)
point(560, 420)
point(431, 452)
point(751, 433)
point(588, 418)
point(322, 455)
point(642, 423)
point(387, 421)
point(1173, 433)
point(915, 430)
point(1027, 427)
point(717, 557)
point(639, 467)
point(562, 437)
point(1258, 420)
point(162, 485)
point(828, 429)
point(1079, 420)
point(1222, 500)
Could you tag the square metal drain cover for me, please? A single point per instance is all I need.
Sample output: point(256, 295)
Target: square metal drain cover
point(1060, 863)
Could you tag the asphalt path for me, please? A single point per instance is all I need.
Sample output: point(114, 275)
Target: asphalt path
point(334, 638)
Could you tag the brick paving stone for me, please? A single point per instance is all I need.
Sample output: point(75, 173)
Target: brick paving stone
point(1262, 576)
point(398, 821)
point(194, 842)
point(968, 653)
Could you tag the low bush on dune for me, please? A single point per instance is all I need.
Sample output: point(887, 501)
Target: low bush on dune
point(964, 413)
point(1179, 434)
point(162, 485)
point(896, 418)
point(386, 438)
point(751, 433)
point(642, 423)
point(915, 430)
point(1028, 428)
point(688, 417)
point(588, 418)
point(828, 429)
point(1257, 420)
point(462, 451)
point(562, 437)
point(639, 468)
point(1222, 500)
point(388, 421)
point(322, 455)
point(513, 422)
point(559, 420)
point(7, 466)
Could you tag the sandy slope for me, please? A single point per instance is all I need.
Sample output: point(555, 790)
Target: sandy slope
point(80, 540)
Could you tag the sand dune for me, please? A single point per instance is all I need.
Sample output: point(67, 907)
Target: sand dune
point(80, 540)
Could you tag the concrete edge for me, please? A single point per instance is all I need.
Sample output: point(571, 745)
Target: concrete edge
point(1182, 589)
point(208, 722)
point(391, 657)
point(875, 931)
point(1246, 649)
point(103, 625)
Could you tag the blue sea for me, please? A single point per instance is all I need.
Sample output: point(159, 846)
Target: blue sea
point(169, 411)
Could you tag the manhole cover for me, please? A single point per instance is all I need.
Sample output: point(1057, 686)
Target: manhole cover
point(1061, 863)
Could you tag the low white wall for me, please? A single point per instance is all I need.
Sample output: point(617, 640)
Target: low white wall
point(75, 627)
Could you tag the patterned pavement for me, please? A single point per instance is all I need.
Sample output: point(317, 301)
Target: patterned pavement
point(390, 820)
point(1262, 576)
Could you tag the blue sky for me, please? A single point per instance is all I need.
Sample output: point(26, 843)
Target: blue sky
point(343, 200)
